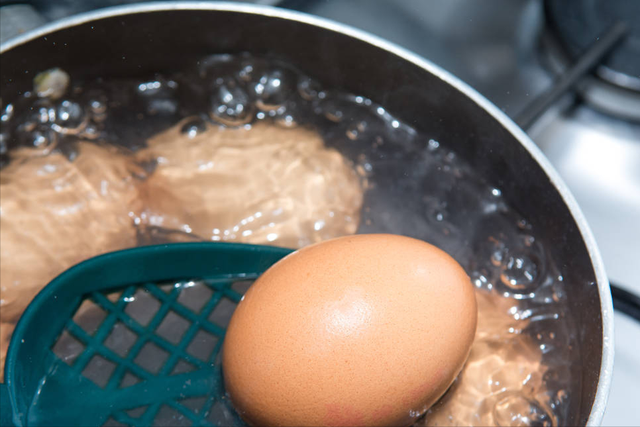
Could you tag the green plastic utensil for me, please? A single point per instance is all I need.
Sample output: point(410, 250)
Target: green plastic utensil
point(131, 338)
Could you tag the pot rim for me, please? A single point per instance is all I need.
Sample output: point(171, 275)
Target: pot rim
point(606, 305)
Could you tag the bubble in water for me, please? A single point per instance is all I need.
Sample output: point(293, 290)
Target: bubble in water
point(449, 157)
point(194, 127)
point(433, 145)
point(32, 133)
point(39, 139)
point(46, 115)
point(356, 129)
point(286, 120)
point(97, 106)
point(230, 104)
point(498, 255)
point(523, 224)
point(528, 240)
point(42, 138)
point(216, 65)
point(7, 114)
point(310, 89)
point(98, 110)
point(158, 96)
point(273, 89)
point(149, 88)
point(519, 273)
point(480, 280)
point(333, 110)
point(246, 72)
point(90, 132)
point(250, 69)
point(558, 292)
point(70, 118)
point(437, 208)
point(334, 115)
point(517, 410)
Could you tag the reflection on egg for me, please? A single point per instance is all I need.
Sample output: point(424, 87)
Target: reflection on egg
point(359, 330)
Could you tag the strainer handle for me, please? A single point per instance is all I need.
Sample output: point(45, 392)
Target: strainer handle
point(6, 413)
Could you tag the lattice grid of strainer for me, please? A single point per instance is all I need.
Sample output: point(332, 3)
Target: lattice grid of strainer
point(126, 338)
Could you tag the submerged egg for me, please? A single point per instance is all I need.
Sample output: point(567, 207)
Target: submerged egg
point(358, 330)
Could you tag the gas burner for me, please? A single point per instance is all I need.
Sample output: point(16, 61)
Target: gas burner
point(573, 26)
point(577, 25)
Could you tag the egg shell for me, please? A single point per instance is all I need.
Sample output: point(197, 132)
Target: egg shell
point(358, 330)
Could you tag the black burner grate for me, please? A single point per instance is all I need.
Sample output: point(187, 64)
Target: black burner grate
point(577, 24)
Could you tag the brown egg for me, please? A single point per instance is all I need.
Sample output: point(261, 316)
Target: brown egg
point(265, 185)
point(57, 212)
point(359, 330)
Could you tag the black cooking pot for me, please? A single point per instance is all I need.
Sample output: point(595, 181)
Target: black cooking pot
point(142, 39)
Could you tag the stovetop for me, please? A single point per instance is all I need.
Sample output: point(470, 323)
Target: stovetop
point(505, 50)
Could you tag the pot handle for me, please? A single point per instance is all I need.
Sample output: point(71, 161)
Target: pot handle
point(6, 412)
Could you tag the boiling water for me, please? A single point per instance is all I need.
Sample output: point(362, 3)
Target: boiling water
point(523, 359)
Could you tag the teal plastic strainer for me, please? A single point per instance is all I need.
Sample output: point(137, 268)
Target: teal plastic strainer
point(131, 338)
